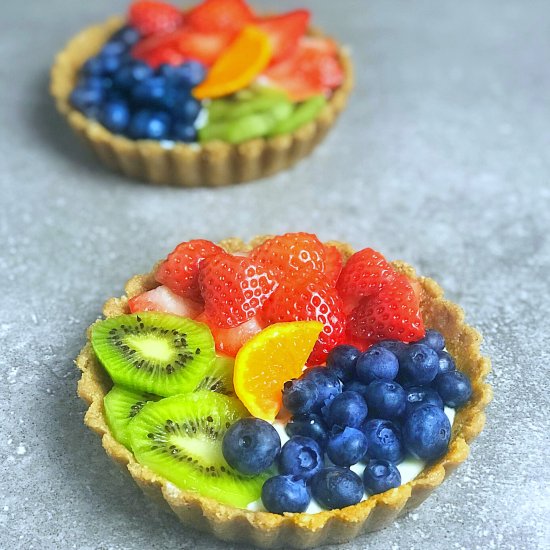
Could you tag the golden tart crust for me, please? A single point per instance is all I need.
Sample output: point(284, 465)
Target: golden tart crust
point(213, 164)
point(303, 530)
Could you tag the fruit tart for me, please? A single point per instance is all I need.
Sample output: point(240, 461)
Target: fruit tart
point(286, 392)
point(211, 95)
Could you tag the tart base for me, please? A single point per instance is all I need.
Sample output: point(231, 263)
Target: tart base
point(268, 530)
point(213, 164)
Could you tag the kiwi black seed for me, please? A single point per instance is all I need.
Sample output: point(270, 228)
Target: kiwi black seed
point(154, 352)
point(220, 377)
point(180, 438)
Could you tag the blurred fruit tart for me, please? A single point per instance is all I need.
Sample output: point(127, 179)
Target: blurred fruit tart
point(285, 393)
point(210, 95)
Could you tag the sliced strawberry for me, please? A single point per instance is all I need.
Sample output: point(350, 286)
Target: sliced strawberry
point(180, 271)
point(219, 15)
point(333, 264)
point(164, 56)
point(163, 299)
point(234, 289)
point(202, 46)
point(285, 32)
point(391, 314)
point(151, 17)
point(359, 343)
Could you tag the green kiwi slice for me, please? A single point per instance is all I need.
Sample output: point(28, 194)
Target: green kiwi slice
point(154, 352)
point(220, 377)
point(121, 405)
point(180, 438)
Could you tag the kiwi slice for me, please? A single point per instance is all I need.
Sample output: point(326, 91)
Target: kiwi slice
point(220, 377)
point(121, 405)
point(154, 352)
point(180, 438)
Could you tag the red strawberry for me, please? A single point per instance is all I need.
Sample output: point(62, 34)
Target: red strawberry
point(333, 264)
point(219, 15)
point(234, 289)
point(180, 271)
point(151, 17)
point(163, 299)
point(202, 46)
point(163, 56)
point(305, 299)
point(290, 255)
point(392, 314)
point(359, 343)
point(364, 274)
point(285, 32)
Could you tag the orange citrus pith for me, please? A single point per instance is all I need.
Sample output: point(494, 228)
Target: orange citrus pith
point(246, 57)
point(275, 355)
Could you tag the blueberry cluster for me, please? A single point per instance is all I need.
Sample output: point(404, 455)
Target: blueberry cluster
point(375, 407)
point(128, 97)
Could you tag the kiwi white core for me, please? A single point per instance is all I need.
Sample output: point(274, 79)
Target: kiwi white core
point(151, 348)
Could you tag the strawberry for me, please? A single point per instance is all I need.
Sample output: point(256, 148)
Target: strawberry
point(150, 17)
point(285, 32)
point(290, 255)
point(219, 15)
point(180, 271)
point(359, 343)
point(333, 264)
point(364, 274)
point(306, 299)
point(234, 289)
point(202, 46)
point(163, 56)
point(163, 299)
point(230, 340)
point(391, 314)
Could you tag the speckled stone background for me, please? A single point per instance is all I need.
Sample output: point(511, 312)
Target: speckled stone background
point(442, 159)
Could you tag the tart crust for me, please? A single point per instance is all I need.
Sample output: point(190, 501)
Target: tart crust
point(213, 164)
point(303, 530)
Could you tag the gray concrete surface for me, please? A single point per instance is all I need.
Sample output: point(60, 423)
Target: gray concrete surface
point(442, 159)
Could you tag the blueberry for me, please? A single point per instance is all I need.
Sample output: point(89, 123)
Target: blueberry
point(282, 494)
point(433, 339)
point(114, 48)
point(454, 388)
point(386, 399)
point(418, 365)
point(328, 385)
point(151, 92)
point(337, 487)
point(186, 109)
point(182, 131)
point(82, 97)
point(380, 476)
point(130, 74)
point(446, 362)
point(341, 361)
point(93, 66)
point(422, 395)
point(377, 363)
point(395, 346)
point(188, 75)
point(299, 396)
point(128, 35)
point(346, 446)
point(346, 409)
point(358, 387)
point(300, 456)
point(384, 440)
point(96, 82)
point(146, 124)
point(426, 432)
point(308, 425)
point(115, 116)
point(251, 445)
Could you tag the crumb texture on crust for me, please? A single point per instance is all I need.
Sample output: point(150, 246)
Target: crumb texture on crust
point(268, 530)
point(213, 164)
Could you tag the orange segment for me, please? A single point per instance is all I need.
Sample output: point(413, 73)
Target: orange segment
point(275, 355)
point(246, 57)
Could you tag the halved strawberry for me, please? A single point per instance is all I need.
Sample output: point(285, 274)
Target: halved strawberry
point(163, 299)
point(150, 17)
point(333, 264)
point(202, 46)
point(163, 56)
point(219, 15)
point(285, 32)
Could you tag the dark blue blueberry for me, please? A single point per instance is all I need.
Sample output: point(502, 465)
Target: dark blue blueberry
point(130, 74)
point(114, 48)
point(454, 388)
point(346, 409)
point(182, 131)
point(419, 365)
point(426, 432)
point(395, 346)
point(186, 109)
point(299, 396)
point(346, 446)
point(358, 387)
point(384, 440)
point(115, 116)
point(341, 361)
point(188, 75)
point(128, 35)
point(111, 63)
point(433, 339)
point(422, 395)
point(377, 363)
point(337, 487)
point(93, 67)
point(83, 97)
point(282, 494)
point(300, 456)
point(386, 399)
point(380, 476)
point(147, 124)
point(446, 362)
point(328, 385)
point(151, 92)
point(308, 425)
point(96, 82)
point(251, 445)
